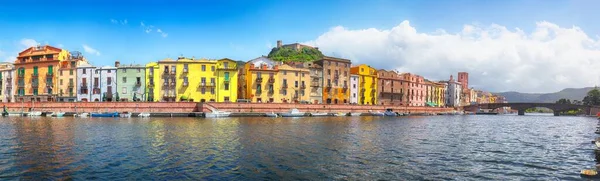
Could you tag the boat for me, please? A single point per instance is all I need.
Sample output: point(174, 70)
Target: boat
point(82, 115)
point(319, 114)
point(293, 113)
point(58, 114)
point(389, 112)
point(588, 173)
point(217, 114)
point(272, 114)
point(144, 115)
point(355, 114)
point(376, 113)
point(49, 114)
point(340, 114)
point(110, 115)
point(34, 113)
point(125, 114)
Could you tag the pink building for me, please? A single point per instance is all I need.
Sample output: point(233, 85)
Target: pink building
point(415, 89)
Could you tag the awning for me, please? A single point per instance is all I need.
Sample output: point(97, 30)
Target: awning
point(431, 104)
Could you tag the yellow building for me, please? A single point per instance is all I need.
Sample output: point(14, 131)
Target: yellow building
point(227, 80)
point(258, 83)
point(36, 73)
point(293, 84)
point(153, 86)
point(367, 81)
point(168, 75)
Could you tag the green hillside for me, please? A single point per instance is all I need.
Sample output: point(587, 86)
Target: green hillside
point(285, 54)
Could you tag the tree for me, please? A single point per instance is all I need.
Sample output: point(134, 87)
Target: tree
point(563, 101)
point(592, 98)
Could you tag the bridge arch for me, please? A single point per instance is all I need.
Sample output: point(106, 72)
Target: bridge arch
point(521, 107)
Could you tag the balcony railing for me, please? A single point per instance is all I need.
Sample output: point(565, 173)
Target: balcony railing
point(185, 70)
point(258, 91)
point(70, 84)
point(172, 72)
point(315, 84)
point(166, 84)
point(271, 80)
point(20, 75)
point(185, 83)
point(228, 67)
point(284, 85)
point(202, 84)
point(138, 83)
point(336, 76)
point(84, 84)
point(49, 74)
point(21, 84)
point(173, 83)
point(271, 91)
point(259, 79)
point(212, 84)
point(151, 83)
point(226, 79)
point(34, 75)
point(35, 84)
point(302, 86)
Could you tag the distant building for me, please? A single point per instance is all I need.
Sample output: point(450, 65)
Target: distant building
point(390, 88)
point(293, 46)
point(315, 90)
point(7, 70)
point(35, 77)
point(367, 84)
point(67, 77)
point(414, 88)
point(153, 84)
point(453, 93)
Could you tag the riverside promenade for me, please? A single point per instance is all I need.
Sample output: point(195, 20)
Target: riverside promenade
point(192, 107)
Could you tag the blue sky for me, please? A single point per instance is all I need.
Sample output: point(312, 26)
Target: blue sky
point(244, 29)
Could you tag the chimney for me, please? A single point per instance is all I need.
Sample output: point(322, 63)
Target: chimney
point(279, 44)
point(117, 63)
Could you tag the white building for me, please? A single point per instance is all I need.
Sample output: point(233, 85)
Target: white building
point(353, 89)
point(88, 78)
point(7, 71)
point(108, 84)
point(453, 93)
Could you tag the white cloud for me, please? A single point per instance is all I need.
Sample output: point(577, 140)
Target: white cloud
point(163, 34)
point(547, 59)
point(26, 42)
point(90, 50)
point(122, 22)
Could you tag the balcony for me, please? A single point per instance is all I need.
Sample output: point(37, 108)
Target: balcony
point(166, 72)
point(271, 80)
point(185, 70)
point(185, 83)
point(173, 83)
point(151, 83)
point(284, 85)
point(259, 79)
point(138, 83)
point(84, 85)
point(228, 67)
point(302, 86)
point(49, 74)
point(226, 79)
point(151, 74)
point(71, 84)
point(328, 85)
point(20, 75)
point(35, 84)
point(315, 84)
point(258, 91)
point(166, 84)
point(336, 76)
point(212, 84)
point(202, 84)
point(21, 84)
point(271, 91)
point(83, 91)
point(34, 75)
point(172, 72)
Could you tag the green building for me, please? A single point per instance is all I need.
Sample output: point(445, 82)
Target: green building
point(131, 83)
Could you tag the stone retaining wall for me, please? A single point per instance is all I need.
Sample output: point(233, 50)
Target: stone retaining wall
point(153, 107)
point(284, 107)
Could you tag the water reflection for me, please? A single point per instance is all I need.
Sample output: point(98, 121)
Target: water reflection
point(317, 148)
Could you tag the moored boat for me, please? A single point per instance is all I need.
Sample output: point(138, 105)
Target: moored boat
point(272, 114)
point(82, 115)
point(319, 114)
point(110, 115)
point(34, 113)
point(217, 114)
point(125, 114)
point(389, 112)
point(340, 114)
point(355, 114)
point(58, 114)
point(144, 115)
point(293, 113)
point(376, 113)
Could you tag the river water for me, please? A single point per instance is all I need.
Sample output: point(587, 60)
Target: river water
point(497, 147)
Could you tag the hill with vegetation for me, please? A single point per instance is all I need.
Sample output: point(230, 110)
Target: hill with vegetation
point(570, 93)
point(286, 54)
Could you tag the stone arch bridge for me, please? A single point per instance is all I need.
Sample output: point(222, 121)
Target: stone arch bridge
point(521, 107)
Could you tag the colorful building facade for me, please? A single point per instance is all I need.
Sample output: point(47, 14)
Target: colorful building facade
point(7, 71)
point(227, 80)
point(367, 84)
point(88, 83)
point(130, 82)
point(293, 84)
point(35, 78)
point(67, 77)
point(414, 88)
point(336, 77)
point(108, 84)
point(153, 85)
point(259, 82)
point(354, 89)
point(168, 72)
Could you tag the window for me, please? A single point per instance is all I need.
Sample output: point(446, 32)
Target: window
point(258, 75)
point(328, 71)
point(124, 90)
point(354, 86)
point(96, 81)
point(35, 91)
point(61, 72)
point(96, 71)
point(173, 68)
point(226, 99)
point(84, 71)
point(203, 90)
point(296, 74)
point(61, 82)
point(284, 92)
point(70, 81)
point(109, 80)
point(203, 68)
point(35, 70)
point(124, 70)
point(302, 74)
point(226, 76)
point(50, 69)
point(108, 71)
point(212, 80)
point(284, 72)
point(185, 67)
point(185, 79)
point(345, 73)
point(284, 81)
point(212, 68)
point(203, 79)
point(124, 79)
point(212, 90)
point(225, 64)
point(139, 70)
point(296, 84)
point(226, 86)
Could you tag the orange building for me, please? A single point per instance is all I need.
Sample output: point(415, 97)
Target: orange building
point(36, 73)
point(336, 80)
